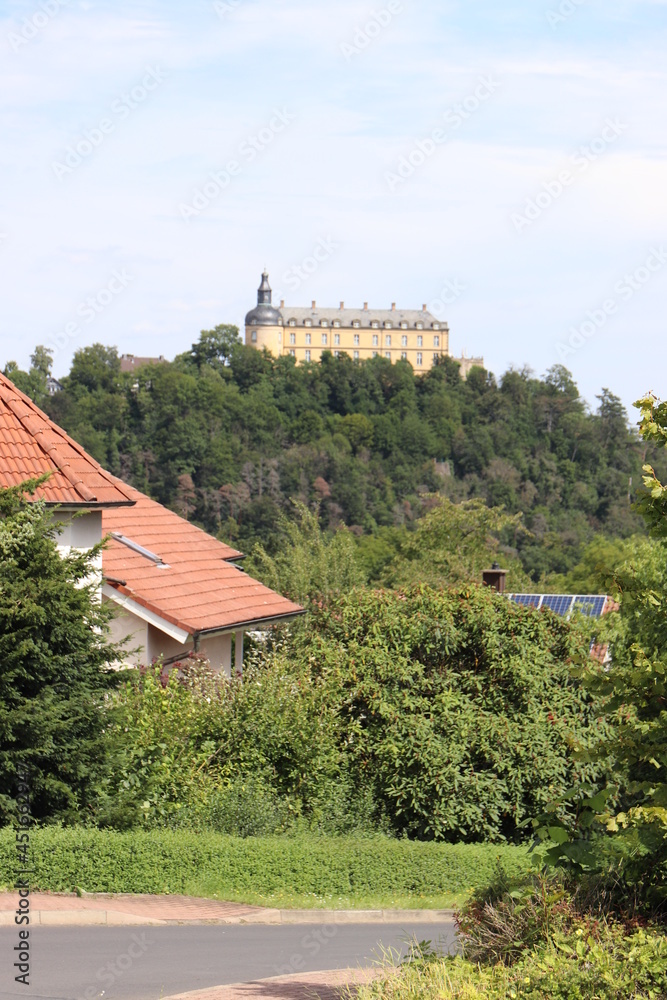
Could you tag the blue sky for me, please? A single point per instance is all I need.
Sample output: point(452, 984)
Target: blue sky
point(543, 202)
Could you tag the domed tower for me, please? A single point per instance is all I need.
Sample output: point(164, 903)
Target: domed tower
point(264, 324)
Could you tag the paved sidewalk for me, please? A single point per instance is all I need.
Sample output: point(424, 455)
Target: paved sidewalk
point(108, 909)
point(306, 986)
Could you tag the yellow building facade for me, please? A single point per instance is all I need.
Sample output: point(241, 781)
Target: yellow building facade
point(305, 333)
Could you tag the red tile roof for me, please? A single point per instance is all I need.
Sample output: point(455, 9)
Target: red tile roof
point(201, 591)
point(31, 444)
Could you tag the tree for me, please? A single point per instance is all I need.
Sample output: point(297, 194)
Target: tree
point(95, 367)
point(454, 543)
point(308, 564)
point(214, 347)
point(34, 382)
point(54, 657)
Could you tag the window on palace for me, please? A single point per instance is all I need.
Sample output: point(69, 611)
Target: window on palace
point(404, 341)
point(253, 336)
point(325, 338)
point(293, 353)
point(419, 360)
point(336, 338)
point(419, 326)
point(436, 341)
point(420, 341)
point(387, 340)
point(404, 355)
point(356, 355)
point(376, 340)
point(308, 338)
point(356, 338)
point(292, 338)
point(307, 355)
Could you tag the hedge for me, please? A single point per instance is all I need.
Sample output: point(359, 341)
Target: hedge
point(182, 861)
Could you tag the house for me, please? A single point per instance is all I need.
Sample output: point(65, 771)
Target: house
point(179, 589)
point(413, 335)
point(176, 588)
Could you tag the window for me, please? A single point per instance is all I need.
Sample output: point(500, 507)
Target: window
point(307, 355)
point(435, 358)
point(419, 360)
point(336, 338)
point(404, 341)
point(375, 325)
point(356, 339)
point(307, 322)
point(292, 322)
point(325, 339)
point(404, 355)
point(253, 336)
point(336, 323)
point(404, 326)
point(420, 341)
point(387, 354)
point(387, 326)
point(292, 338)
point(323, 322)
point(376, 340)
point(436, 326)
point(356, 324)
point(436, 340)
point(387, 340)
point(419, 326)
point(308, 338)
point(375, 354)
point(292, 353)
point(356, 355)
point(336, 354)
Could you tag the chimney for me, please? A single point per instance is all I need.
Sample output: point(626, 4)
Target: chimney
point(424, 308)
point(314, 304)
point(366, 306)
point(342, 305)
point(282, 303)
point(393, 307)
point(495, 578)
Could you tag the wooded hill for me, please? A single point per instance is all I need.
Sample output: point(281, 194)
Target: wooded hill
point(228, 436)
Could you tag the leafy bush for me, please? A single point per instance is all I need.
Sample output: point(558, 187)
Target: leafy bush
point(235, 868)
point(456, 708)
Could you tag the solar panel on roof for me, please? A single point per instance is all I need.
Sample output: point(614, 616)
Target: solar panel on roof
point(528, 600)
point(563, 604)
point(560, 604)
point(592, 606)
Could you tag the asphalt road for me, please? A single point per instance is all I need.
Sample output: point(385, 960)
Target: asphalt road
point(148, 963)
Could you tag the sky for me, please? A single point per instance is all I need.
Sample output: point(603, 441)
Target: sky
point(503, 163)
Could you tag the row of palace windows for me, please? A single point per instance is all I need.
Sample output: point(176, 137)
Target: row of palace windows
point(356, 324)
point(355, 355)
point(356, 338)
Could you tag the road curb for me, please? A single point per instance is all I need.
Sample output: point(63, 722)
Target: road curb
point(295, 987)
point(115, 918)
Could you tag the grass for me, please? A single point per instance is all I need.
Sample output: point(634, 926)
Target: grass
point(304, 872)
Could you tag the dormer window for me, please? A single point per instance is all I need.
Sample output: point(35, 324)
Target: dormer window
point(336, 323)
point(419, 326)
point(323, 322)
point(292, 322)
point(404, 326)
point(388, 326)
point(307, 322)
point(436, 326)
point(375, 324)
point(356, 324)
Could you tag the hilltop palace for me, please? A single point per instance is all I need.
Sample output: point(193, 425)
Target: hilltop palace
point(396, 334)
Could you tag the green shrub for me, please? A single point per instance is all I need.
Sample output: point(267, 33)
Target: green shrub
point(457, 708)
point(185, 861)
